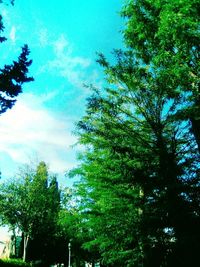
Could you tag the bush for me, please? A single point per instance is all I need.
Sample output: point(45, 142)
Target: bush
point(13, 263)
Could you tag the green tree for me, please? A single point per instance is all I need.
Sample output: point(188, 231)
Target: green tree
point(139, 173)
point(31, 205)
point(132, 176)
point(13, 76)
point(165, 36)
point(69, 229)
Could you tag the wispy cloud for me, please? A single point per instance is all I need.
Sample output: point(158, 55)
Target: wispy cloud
point(29, 129)
point(43, 37)
point(60, 45)
point(65, 64)
point(13, 34)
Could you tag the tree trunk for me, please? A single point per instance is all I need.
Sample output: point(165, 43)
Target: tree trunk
point(13, 244)
point(26, 239)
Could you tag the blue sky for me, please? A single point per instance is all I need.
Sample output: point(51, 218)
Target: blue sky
point(63, 37)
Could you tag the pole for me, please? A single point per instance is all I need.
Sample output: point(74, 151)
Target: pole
point(69, 247)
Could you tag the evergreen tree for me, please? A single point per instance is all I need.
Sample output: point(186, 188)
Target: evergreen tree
point(165, 36)
point(139, 174)
point(13, 76)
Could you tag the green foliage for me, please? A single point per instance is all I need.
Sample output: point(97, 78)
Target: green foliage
point(131, 174)
point(69, 227)
point(138, 195)
point(31, 205)
point(13, 263)
point(165, 35)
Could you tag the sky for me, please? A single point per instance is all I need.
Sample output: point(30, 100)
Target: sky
point(64, 37)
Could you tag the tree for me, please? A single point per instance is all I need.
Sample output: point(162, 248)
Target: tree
point(31, 205)
point(133, 168)
point(109, 213)
point(13, 76)
point(69, 230)
point(165, 35)
point(139, 173)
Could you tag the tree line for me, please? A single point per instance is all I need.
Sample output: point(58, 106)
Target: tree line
point(139, 174)
point(137, 199)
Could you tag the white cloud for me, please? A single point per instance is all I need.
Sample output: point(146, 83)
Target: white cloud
point(65, 64)
point(43, 37)
point(13, 34)
point(4, 13)
point(30, 129)
point(60, 45)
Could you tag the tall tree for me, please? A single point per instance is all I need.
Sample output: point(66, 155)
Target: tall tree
point(13, 76)
point(132, 177)
point(140, 169)
point(165, 35)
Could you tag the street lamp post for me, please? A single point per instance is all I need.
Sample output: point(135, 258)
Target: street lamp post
point(69, 247)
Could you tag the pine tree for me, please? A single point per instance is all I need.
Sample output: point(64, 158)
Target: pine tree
point(165, 36)
point(139, 173)
point(13, 76)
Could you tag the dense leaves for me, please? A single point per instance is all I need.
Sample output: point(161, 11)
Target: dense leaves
point(139, 186)
point(165, 35)
point(31, 205)
point(137, 202)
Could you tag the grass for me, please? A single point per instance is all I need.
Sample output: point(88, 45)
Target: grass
point(13, 263)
